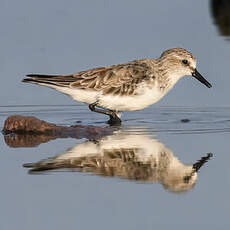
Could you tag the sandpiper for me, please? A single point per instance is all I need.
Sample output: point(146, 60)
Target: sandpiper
point(124, 87)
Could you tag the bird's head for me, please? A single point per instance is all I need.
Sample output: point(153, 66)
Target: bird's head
point(179, 62)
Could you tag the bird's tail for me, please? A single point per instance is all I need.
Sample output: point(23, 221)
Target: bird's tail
point(44, 165)
point(56, 80)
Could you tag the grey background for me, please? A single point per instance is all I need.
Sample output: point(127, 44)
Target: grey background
point(70, 36)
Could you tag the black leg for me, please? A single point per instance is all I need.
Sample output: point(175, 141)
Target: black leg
point(114, 119)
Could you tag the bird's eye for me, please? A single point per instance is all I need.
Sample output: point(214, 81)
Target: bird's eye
point(185, 62)
point(187, 179)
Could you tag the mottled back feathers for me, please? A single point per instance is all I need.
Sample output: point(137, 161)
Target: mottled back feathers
point(117, 79)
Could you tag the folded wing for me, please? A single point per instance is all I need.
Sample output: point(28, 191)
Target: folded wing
point(117, 79)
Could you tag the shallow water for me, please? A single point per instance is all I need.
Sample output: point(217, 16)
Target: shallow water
point(130, 192)
point(142, 176)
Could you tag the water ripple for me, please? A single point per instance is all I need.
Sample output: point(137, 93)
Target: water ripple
point(170, 119)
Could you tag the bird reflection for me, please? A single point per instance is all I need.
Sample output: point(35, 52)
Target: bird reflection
point(133, 157)
point(221, 13)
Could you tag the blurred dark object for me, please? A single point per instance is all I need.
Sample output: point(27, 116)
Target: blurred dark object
point(23, 131)
point(185, 120)
point(221, 14)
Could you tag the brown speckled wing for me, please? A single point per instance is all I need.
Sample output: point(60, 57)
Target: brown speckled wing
point(113, 80)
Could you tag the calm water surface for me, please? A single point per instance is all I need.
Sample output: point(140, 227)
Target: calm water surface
point(141, 175)
point(144, 175)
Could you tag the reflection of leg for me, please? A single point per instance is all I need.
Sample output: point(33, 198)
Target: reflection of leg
point(114, 119)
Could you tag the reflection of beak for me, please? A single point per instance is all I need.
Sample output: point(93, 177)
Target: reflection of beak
point(199, 77)
point(201, 162)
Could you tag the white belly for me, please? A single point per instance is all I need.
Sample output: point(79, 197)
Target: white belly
point(115, 102)
point(81, 95)
point(129, 103)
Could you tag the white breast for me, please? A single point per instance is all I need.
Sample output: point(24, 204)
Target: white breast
point(145, 97)
point(132, 102)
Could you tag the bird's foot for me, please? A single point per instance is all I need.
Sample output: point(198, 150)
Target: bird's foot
point(114, 120)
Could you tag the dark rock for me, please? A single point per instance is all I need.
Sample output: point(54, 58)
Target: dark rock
point(27, 131)
point(21, 125)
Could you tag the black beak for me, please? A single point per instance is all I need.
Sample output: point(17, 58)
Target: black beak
point(201, 162)
point(199, 77)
